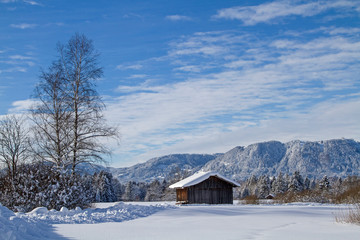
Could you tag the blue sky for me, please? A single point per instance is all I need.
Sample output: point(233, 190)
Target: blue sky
point(198, 76)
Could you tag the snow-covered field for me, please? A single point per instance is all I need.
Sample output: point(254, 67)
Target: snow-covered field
point(167, 221)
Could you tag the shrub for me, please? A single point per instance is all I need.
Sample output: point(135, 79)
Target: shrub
point(304, 196)
point(40, 185)
point(351, 216)
point(252, 199)
point(350, 195)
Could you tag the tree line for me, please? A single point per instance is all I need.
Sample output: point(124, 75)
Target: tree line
point(296, 188)
point(38, 184)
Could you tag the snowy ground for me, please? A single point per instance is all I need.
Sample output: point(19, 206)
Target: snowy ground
point(166, 221)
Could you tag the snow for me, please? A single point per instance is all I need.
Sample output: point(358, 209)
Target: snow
point(198, 178)
point(296, 221)
point(14, 228)
point(118, 212)
point(166, 221)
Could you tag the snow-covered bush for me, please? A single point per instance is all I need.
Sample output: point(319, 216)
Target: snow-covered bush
point(43, 185)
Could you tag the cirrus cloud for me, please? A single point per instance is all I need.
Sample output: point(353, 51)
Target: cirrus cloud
point(267, 12)
point(277, 88)
point(23, 25)
point(178, 18)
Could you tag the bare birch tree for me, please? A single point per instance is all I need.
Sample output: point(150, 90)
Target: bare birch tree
point(14, 143)
point(81, 122)
point(51, 115)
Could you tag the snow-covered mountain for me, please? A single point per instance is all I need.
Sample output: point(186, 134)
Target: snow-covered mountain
point(162, 167)
point(340, 157)
point(314, 159)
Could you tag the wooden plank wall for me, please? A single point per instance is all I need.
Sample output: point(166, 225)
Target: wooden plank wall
point(211, 191)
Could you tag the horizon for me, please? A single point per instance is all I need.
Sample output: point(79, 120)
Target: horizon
point(198, 77)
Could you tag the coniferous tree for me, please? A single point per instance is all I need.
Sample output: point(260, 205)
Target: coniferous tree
point(280, 184)
point(154, 191)
point(103, 187)
point(296, 183)
point(132, 192)
point(307, 184)
point(263, 188)
point(324, 183)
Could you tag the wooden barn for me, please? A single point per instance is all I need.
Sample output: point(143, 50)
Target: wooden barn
point(205, 187)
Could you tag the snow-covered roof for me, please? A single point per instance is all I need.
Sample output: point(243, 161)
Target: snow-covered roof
point(200, 177)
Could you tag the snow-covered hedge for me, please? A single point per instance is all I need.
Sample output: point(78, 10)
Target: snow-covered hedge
point(43, 185)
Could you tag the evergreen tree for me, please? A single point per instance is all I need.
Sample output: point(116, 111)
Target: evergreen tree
point(263, 187)
point(296, 183)
point(154, 191)
point(132, 192)
point(119, 189)
point(307, 184)
point(280, 184)
point(103, 187)
point(324, 183)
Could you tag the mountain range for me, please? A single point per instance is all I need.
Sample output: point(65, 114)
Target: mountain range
point(339, 157)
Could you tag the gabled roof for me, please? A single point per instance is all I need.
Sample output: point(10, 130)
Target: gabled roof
point(200, 177)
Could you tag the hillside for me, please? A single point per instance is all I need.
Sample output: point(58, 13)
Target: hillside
point(162, 167)
point(312, 159)
point(339, 157)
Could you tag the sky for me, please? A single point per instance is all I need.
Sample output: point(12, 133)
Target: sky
point(197, 76)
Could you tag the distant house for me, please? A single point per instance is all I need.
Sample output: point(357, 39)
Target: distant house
point(270, 196)
point(205, 187)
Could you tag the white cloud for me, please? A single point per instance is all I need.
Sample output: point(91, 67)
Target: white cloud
point(135, 76)
point(189, 68)
point(34, 3)
point(20, 57)
point(206, 50)
point(328, 120)
point(127, 67)
point(15, 69)
point(178, 18)
point(267, 12)
point(21, 106)
point(280, 89)
point(336, 31)
point(133, 15)
point(17, 63)
point(25, 1)
point(205, 43)
point(23, 25)
point(58, 24)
